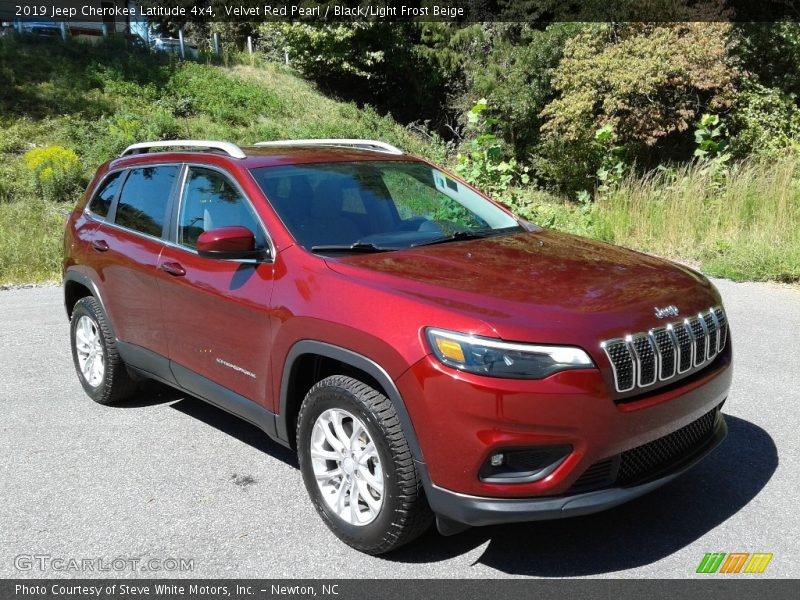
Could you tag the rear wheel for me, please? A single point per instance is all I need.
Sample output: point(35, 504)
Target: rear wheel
point(357, 466)
point(94, 352)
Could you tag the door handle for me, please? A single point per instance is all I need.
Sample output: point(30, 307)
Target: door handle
point(100, 245)
point(173, 268)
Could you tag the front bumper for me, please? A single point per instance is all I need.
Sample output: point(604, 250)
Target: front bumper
point(463, 509)
point(462, 419)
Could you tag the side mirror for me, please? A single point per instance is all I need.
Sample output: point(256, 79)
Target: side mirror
point(228, 243)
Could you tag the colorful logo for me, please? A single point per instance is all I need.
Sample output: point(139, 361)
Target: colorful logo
point(734, 562)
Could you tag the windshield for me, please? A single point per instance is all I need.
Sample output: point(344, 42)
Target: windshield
point(380, 205)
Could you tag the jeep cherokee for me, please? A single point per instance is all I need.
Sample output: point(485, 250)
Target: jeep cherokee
point(429, 355)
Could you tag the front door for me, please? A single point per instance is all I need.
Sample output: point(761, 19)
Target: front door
point(216, 311)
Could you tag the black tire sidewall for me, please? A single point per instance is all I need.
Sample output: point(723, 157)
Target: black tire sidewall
point(86, 309)
point(364, 537)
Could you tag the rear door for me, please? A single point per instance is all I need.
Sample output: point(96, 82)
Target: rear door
point(216, 312)
point(126, 245)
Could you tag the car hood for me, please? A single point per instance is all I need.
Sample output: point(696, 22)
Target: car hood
point(545, 285)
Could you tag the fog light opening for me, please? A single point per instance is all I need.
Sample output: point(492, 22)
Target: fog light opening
point(523, 465)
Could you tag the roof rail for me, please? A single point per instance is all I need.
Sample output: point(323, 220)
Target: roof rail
point(365, 144)
point(228, 148)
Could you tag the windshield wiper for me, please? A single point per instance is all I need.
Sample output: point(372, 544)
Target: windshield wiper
point(355, 247)
point(464, 234)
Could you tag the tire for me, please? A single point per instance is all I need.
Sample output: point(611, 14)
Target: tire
point(92, 339)
point(404, 513)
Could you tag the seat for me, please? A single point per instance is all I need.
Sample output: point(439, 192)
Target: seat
point(325, 224)
point(291, 197)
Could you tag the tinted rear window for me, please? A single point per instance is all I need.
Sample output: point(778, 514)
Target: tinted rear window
point(101, 203)
point(143, 202)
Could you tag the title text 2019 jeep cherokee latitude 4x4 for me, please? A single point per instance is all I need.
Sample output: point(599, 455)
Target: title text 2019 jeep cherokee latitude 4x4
point(428, 354)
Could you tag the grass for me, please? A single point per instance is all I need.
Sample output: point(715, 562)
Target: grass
point(95, 101)
point(745, 228)
point(31, 238)
point(742, 226)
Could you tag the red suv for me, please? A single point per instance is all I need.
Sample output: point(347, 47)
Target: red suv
point(428, 354)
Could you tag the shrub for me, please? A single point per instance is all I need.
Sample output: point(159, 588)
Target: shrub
point(162, 125)
point(512, 68)
point(377, 62)
point(55, 172)
point(770, 52)
point(766, 122)
point(485, 165)
point(649, 82)
point(13, 138)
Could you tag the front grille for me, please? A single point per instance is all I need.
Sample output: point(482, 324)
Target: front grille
point(639, 359)
point(711, 328)
point(667, 351)
point(683, 342)
point(599, 475)
point(700, 345)
point(646, 461)
point(645, 356)
point(641, 462)
point(622, 362)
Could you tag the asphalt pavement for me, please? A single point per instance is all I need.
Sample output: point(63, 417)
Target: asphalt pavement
point(170, 482)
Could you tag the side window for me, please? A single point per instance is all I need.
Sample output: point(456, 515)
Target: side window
point(104, 196)
point(143, 202)
point(210, 201)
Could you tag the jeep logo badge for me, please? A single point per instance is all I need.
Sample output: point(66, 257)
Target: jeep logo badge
point(667, 311)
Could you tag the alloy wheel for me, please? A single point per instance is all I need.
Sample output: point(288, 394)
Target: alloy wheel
point(89, 344)
point(347, 467)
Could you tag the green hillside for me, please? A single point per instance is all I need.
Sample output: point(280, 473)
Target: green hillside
point(94, 101)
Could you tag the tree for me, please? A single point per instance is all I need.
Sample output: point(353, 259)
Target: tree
point(649, 82)
point(375, 62)
point(513, 72)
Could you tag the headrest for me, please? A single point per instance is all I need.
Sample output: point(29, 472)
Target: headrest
point(327, 202)
point(291, 195)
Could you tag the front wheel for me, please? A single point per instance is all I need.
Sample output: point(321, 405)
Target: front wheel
point(357, 466)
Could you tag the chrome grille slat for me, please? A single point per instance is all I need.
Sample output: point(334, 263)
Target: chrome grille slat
point(722, 321)
point(711, 327)
point(642, 359)
point(667, 352)
point(685, 342)
point(700, 340)
point(621, 359)
point(646, 360)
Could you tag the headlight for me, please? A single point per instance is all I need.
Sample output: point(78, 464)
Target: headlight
point(493, 358)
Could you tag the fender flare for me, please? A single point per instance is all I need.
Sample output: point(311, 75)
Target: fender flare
point(357, 361)
point(85, 281)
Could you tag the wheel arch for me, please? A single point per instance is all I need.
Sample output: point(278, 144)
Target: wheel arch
point(78, 285)
point(308, 355)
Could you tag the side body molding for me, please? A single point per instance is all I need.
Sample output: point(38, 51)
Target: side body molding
point(160, 368)
point(359, 362)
